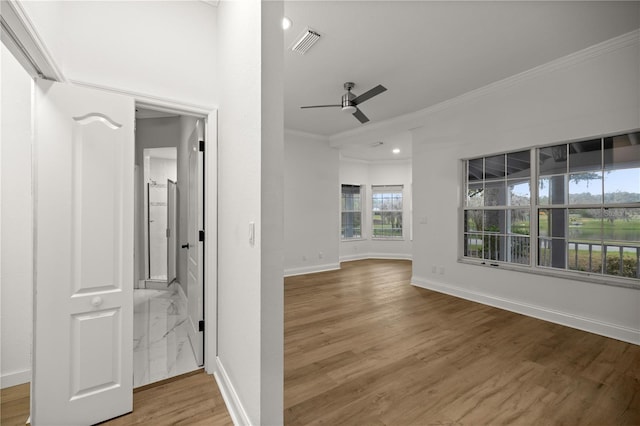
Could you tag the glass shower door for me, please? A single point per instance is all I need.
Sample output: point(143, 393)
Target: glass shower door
point(157, 205)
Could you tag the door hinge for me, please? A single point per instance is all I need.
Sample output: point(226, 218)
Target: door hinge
point(168, 233)
point(201, 325)
point(201, 236)
point(201, 146)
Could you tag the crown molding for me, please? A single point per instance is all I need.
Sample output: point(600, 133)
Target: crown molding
point(23, 41)
point(212, 3)
point(406, 161)
point(345, 159)
point(348, 159)
point(300, 133)
point(416, 119)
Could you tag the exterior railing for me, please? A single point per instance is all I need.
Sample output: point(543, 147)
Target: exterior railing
point(609, 258)
point(617, 259)
point(507, 248)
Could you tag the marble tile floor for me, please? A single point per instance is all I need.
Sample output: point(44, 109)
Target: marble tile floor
point(161, 347)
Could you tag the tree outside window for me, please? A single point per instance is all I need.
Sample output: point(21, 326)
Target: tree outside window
point(387, 211)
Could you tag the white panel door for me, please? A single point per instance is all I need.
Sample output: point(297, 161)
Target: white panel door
point(172, 198)
point(196, 248)
point(84, 212)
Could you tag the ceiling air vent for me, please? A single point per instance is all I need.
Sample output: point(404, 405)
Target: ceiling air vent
point(307, 39)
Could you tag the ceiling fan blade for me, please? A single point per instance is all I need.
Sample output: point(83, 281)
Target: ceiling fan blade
point(360, 116)
point(320, 106)
point(368, 95)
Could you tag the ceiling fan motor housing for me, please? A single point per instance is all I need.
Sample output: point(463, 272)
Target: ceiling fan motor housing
point(347, 98)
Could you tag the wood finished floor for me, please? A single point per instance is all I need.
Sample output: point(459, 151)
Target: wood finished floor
point(190, 400)
point(364, 347)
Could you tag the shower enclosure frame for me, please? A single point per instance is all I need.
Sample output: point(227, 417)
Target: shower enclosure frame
point(148, 280)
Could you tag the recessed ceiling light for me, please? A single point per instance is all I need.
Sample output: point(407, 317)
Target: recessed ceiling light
point(396, 150)
point(286, 23)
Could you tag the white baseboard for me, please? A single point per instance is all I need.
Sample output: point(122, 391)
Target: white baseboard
point(13, 379)
point(290, 272)
point(363, 256)
point(591, 325)
point(234, 405)
point(392, 256)
point(311, 269)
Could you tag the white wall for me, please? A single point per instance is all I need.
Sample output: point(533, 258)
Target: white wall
point(311, 204)
point(164, 49)
point(16, 281)
point(358, 172)
point(250, 152)
point(588, 94)
point(272, 215)
point(314, 172)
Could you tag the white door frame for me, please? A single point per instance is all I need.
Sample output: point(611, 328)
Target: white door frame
point(210, 278)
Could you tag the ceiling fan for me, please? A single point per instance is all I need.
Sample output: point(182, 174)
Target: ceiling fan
point(350, 101)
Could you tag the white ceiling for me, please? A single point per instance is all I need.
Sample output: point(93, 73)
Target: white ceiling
point(426, 52)
point(380, 149)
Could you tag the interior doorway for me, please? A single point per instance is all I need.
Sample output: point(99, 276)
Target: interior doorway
point(85, 379)
point(165, 344)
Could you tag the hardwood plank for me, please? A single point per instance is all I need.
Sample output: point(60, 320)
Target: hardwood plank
point(186, 401)
point(190, 400)
point(363, 346)
point(14, 408)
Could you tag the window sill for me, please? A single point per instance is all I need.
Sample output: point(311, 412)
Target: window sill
point(574, 276)
point(386, 239)
point(346, 240)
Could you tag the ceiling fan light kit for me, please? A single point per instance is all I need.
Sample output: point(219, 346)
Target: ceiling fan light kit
point(350, 101)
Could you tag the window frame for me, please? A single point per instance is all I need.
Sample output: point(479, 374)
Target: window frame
point(361, 211)
point(506, 208)
point(534, 207)
point(397, 188)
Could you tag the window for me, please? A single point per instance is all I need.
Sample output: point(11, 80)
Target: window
point(588, 209)
point(351, 212)
point(585, 203)
point(498, 207)
point(386, 213)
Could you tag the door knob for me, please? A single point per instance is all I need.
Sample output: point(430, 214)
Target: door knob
point(96, 301)
point(185, 246)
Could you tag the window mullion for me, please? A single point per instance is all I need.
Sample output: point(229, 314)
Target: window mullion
point(534, 210)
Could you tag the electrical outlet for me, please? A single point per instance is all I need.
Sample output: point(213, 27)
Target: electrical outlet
point(442, 270)
point(434, 269)
point(320, 255)
point(304, 258)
